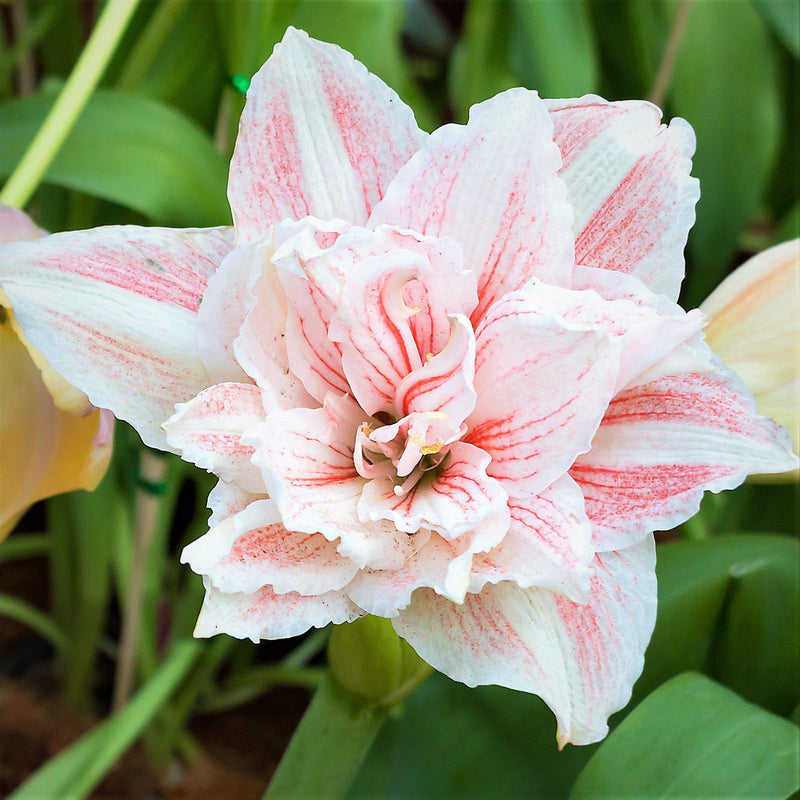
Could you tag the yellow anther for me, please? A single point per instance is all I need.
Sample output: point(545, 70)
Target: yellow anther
point(430, 449)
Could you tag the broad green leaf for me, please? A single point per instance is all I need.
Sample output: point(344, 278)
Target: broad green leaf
point(725, 85)
point(131, 150)
point(450, 741)
point(552, 47)
point(479, 69)
point(694, 738)
point(783, 18)
point(729, 605)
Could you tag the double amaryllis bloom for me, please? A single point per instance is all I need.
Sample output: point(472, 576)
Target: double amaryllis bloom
point(442, 379)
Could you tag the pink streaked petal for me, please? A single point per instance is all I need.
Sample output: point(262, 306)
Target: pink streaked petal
point(444, 383)
point(582, 660)
point(319, 135)
point(226, 304)
point(438, 564)
point(227, 499)
point(452, 501)
point(306, 456)
point(267, 615)
point(548, 544)
point(492, 186)
point(543, 384)
point(253, 549)
point(663, 443)
point(114, 311)
point(627, 178)
point(208, 432)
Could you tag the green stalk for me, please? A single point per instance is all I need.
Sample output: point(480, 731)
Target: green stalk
point(328, 746)
point(31, 617)
point(26, 545)
point(65, 111)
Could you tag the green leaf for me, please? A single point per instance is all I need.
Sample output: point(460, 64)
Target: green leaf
point(450, 741)
point(729, 605)
point(75, 772)
point(479, 69)
point(552, 47)
point(725, 85)
point(131, 150)
point(783, 18)
point(694, 738)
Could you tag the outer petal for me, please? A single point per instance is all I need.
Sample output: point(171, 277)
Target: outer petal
point(17, 226)
point(451, 502)
point(227, 499)
point(663, 443)
point(548, 544)
point(492, 186)
point(319, 135)
point(208, 432)
point(114, 311)
point(46, 451)
point(755, 330)
point(267, 615)
point(543, 384)
point(252, 549)
point(307, 460)
point(628, 182)
point(581, 659)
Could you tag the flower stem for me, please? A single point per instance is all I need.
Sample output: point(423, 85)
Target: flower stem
point(328, 746)
point(65, 111)
point(670, 54)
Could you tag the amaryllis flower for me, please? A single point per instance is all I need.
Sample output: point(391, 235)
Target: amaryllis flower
point(53, 439)
point(442, 379)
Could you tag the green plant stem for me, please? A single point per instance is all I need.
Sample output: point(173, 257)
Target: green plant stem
point(65, 111)
point(33, 618)
point(27, 545)
point(328, 746)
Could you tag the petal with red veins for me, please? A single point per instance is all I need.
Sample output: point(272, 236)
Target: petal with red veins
point(444, 566)
point(627, 178)
point(319, 135)
point(451, 500)
point(114, 311)
point(306, 456)
point(208, 432)
point(548, 544)
point(661, 444)
point(227, 499)
point(543, 384)
point(582, 660)
point(227, 302)
point(267, 615)
point(491, 185)
point(252, 549)
point(444, 383)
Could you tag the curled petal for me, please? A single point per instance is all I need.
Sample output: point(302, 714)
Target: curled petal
point(227, 499)
point(319, 135)
point(543, 383)
point(491, 185)
point(627, 179)
point(267, 615)
point(208, 432)
point(663, 443)
point(114, 311)
point(252, 549)
point(582, 660)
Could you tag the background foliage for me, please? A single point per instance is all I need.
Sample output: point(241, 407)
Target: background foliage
point(716, 709)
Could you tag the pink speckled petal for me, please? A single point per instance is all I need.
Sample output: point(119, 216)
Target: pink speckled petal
point(306, 456)
point(453, 501)
point(208, 432)
point(319, 135)
point(114, 311)
point(548, 544)
point(543, 384)
point(582, 660)
point(252, 549)
point(627, 179)
point(267, 615)
point(663, 443)
point(492, 186)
